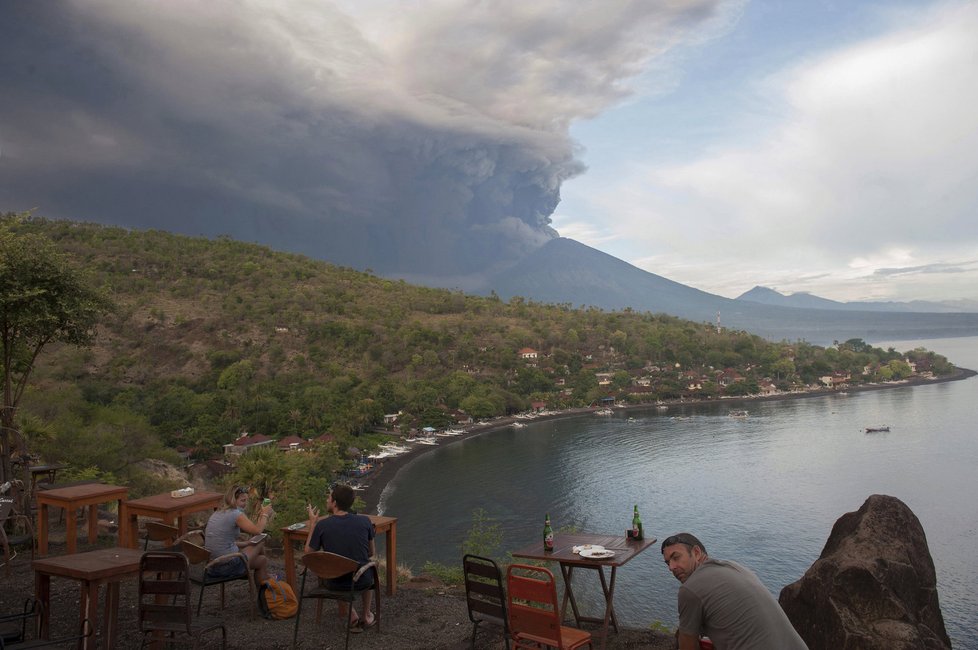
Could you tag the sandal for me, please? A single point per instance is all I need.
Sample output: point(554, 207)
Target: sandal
point(365, 625)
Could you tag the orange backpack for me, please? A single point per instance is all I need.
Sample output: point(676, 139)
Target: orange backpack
point(276, 600)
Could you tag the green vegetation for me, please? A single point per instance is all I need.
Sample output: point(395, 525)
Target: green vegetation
point(214, 338)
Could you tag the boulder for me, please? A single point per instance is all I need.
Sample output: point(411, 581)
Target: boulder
point(873, 587)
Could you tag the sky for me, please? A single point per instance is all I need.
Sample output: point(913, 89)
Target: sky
point(829, 147)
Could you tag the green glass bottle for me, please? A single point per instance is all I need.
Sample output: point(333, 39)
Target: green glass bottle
point(548, 535)
point(636, 525)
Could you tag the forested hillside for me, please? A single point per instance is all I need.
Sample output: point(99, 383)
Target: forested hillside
point(212, 338)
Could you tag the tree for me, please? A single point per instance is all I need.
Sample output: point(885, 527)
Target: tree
point(43, 300)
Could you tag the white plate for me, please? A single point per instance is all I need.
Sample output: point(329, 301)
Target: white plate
point(597, 554)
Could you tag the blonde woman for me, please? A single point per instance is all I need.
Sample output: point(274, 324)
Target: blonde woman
point(226, 525)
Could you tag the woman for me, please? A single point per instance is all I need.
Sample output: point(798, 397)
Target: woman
point(222, 531)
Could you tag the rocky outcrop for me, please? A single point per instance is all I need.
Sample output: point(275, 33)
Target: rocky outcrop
point(874, 586)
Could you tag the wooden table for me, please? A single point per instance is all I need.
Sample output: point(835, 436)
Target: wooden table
point(50, 471)
point(386, 525)
point(168, 509)
point(71, 498)
point(105, 566)
point(563, 553)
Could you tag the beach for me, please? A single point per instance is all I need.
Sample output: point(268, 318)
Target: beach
point(388, 469)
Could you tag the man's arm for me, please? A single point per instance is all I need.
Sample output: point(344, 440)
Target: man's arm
point(687, 641)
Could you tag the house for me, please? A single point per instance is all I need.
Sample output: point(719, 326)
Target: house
point(391, 418)
point(538, 406)
point(604, 378)
point(528, 353)
point(291, 443)
point(728, 376)
point(246, 443)
point(835, 381)
point(767, 387)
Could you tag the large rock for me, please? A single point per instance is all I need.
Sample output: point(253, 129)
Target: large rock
point(874, 586)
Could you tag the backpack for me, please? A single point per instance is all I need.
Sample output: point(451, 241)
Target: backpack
point(276, 600)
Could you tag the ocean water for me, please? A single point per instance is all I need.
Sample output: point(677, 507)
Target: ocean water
point(763, 490)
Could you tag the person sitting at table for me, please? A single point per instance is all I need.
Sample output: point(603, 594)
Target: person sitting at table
point(724, 601)
point(350, 535)
point(223, 529)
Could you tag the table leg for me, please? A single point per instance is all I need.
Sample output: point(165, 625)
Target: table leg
point(42, 591)
point(92, 523)
point(111, 613)
point(392, 559)
point(89, 610)
point(71, 529)
point(289, 560)
point(42, 529)
point(567, 570)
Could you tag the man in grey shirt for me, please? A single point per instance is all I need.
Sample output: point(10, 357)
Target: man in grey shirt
point(725, 602)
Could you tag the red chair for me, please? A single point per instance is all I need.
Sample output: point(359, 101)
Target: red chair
point(534, 614)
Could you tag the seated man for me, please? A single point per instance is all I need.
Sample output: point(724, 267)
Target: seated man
point(350, 535)
point(724, 601)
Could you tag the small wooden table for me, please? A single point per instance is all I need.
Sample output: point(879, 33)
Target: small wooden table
point(563, 553)
point(71, 498)
point(381, 524)
point(164, 507)
point(105, 566)
point(50, 471)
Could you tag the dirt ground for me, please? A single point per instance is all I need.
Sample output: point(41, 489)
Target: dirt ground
point(422, 614)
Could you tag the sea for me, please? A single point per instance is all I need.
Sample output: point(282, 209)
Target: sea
point(763, 490)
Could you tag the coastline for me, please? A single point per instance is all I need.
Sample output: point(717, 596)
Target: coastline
point(389, 469)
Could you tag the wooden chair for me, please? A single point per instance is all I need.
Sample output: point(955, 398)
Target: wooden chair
point(165, 576)
point(10, 513)
point(329, 566)
point(200, 559)
point(157, 531)
point(484, 594)
point(13, 630)
point(534, 614)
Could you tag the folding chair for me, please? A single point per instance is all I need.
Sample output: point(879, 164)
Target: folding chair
point(329, 566)
point(165, 576)
point(534, 614)
point(484, 594)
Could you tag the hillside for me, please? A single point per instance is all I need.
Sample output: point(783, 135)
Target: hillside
point(212, 338)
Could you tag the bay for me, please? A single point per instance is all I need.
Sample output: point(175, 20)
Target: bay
point(763, 490)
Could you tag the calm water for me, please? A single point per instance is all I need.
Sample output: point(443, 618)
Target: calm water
point(764, 490)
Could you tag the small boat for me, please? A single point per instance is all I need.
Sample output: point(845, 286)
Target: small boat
point(426, 441)
point(518, 425)
point(883, 428)
point(738, 414)
point(604, 412)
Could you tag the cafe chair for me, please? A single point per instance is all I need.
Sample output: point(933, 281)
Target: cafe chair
point(10, 513)
point(534, 615)
point(200, 561)
point(329, 566)
point(484, 594)
point(13, 629)
point(164, 601)
point(157, 531)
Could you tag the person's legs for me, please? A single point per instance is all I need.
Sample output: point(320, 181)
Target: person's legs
point(366, 598)
point(257, 561)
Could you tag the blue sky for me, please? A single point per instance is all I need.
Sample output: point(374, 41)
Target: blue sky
point(804, 146)
point(829, 147)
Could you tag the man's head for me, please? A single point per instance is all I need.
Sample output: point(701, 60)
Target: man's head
point(683, 554)
point(341, 498)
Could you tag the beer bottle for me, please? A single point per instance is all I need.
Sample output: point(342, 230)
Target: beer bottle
point(548, 535)
point(636, 525)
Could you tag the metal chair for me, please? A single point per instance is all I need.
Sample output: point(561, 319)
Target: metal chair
point(200, 559)
point(157, 531)
point(165, 576)
point(13, 630)
point(484, 594)
point(10, 512)
point(329, 566)
point(534, 614)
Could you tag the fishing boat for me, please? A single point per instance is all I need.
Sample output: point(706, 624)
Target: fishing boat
point(738, 414)
point(518, 425)
point(882, 428)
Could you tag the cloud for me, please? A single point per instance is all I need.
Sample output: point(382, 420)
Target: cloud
point(428, 138)
point(864, 150)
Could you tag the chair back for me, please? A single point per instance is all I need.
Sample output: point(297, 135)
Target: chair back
point(195, 553)
point(484, 593)
point(164, 592)
point(534, 613)
point(157, 531)
point(329, 566)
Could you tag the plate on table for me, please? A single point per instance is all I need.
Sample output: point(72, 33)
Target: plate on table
point(596, 553)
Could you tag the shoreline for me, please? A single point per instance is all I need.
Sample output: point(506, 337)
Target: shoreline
point(389, 469)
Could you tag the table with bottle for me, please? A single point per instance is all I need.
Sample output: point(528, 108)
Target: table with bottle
point(565, 549)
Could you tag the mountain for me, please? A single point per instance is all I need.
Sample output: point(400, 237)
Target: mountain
point(566, 271)
point(805, 300)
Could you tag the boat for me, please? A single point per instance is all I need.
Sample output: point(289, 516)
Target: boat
point(604, 412)
point(738, 414)
point(426, 441)
point(883, 428)
point(518, 425)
